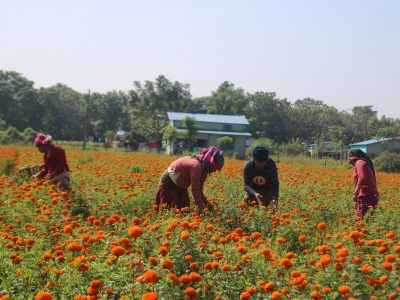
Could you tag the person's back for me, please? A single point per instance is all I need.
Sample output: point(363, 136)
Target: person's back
point(364, 174)
point(185, 170)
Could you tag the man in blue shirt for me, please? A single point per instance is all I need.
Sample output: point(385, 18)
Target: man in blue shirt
point(261, 182)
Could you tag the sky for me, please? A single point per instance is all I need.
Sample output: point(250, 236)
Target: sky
point(343, 52)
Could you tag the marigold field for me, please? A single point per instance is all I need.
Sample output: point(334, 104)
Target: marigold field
point(105, 240)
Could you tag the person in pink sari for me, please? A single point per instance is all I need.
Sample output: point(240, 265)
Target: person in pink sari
point(188, 171)
point(366, 194)
point(55, 167)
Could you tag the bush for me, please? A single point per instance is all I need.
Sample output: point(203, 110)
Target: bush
point(10, 136)
point(7, 165)
point(136, 169)
point(388, 162)
point(293, 149)
point(28, 135)
point(266, 142)
point(225, 143)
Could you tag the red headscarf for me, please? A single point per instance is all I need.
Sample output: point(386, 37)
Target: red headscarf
point(212, 157)
point(42, 139)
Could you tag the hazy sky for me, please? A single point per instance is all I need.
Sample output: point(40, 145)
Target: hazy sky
point(345, 53)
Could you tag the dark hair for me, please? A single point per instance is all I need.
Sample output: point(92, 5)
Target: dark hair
point(260, 153)
point(362, 156)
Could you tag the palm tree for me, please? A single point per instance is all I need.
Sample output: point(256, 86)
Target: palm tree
point(191, 129)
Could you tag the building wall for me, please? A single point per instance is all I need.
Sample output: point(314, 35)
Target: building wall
point(213, 126)
point(378, 148)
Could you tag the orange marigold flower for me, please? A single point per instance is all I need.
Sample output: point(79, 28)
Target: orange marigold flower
point(382, 249)
point(286, 262)
point(74, 246)
point(42, 295)
point(163, 250)
point(184, 235)
point(226, 268)
point(152, 260)
point(190, 292)
point(344, 289)
point(295, 273)
point(281, 240)
point(149, 296)
point(326, 290)
point(357, 260)
point(135, 231)
point(390, 258)
point(244, 296)
point(150, 276)
point(47, 256)
point(173, 277)
point(193, 265)
point(167, 263)
point(117, 251)
point(275, 296)
point(188, 257)
point(321, 226)
point(207, 265)
point(67, 228)
point(343, 252)
point(302, 238)
point(96, 284)
point(315, 295)
point(387, 266)
point(195, 277)
point(325, 260)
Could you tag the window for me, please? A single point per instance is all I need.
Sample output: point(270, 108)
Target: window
point(227, 127)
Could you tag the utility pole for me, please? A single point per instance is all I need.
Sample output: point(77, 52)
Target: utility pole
point(85, 124)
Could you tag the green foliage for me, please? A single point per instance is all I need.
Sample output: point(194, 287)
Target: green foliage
point(29, 135)
point(227, 100)
point(388, 162)
point(109, 135)
point(150, 101)
point(63, 112)
point(3, 125)
point(169, 133)
point(225, 143)
point(295, 147)
point(136, 169)
point(191, 129)
point(11, 135)
point(266, 142)
point(7, 165)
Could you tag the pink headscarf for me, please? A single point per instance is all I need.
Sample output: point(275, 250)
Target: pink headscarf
point(42, 139)
point(212, 156)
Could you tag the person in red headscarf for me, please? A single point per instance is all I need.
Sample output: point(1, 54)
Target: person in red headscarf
point(55, 162)
point(365, 193)
point(188, 171)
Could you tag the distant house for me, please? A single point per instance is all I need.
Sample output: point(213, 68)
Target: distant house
point(322, 150)
point(211, 127)
point(375, 147)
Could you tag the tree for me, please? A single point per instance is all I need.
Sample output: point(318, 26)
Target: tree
point(169, 134)
point(18, 101)
point(191, 129)
point(64, 113)
point(227, 100)
point(337, 134)
point(310, 119)
point(363, 117)
point(268, 116)
point(150, 102)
